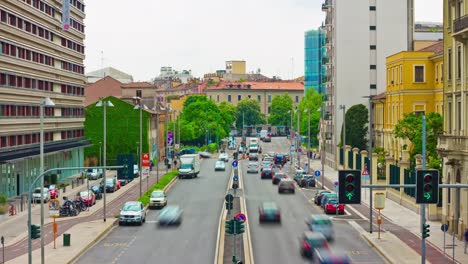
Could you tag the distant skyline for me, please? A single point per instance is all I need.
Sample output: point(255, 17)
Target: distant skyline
point(140, 36)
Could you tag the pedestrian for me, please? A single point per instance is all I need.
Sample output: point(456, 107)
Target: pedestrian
point(175, 163)
point(466, 239)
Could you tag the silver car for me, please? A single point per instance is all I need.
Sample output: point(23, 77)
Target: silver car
point(132, 213)
point(252, 167)
point(321, 224)
point(224, 157)
point(220, 166)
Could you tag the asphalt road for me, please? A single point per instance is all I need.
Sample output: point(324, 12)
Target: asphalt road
point(193, 242)
point(273, 243)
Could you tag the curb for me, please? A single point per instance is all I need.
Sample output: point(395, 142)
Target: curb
point(371, 244)
point(94, 242)
point(165, 189)
point(248, 253)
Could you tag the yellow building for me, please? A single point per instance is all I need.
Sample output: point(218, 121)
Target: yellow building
point(414, 85)
point(236, 67)
point(453, 144)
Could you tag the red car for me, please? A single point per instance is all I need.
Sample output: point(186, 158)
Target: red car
point(330, 207)
point(277, 177)
point(88, 197)
point(267, 173)
point(118, 185)
point(53, 191)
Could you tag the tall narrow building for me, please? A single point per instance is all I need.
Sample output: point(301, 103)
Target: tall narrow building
point(360, 35)
point(40, 58)
point(314, 60)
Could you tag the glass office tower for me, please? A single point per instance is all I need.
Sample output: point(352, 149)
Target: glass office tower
point(315, 56)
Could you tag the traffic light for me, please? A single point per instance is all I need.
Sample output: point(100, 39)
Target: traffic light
point(228, 205)
point(427, 186)
point(349, 186)
point(426, 230)
point(35, 231)
point(230, 226)
point(236, 155)
point(240, 228)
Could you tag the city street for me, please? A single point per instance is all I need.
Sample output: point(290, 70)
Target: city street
point(280, 243)
point(194, 241)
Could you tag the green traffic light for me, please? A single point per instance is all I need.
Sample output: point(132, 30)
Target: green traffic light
point(349, 195)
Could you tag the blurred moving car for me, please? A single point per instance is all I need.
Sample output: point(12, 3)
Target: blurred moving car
point(158, 198)
point(252, 167)
point(286, 185)
point(324, 256)
point(97, 190)
point(220, 165)
point(170, 215)
point(36, 196)
point(319, 195)
point(205, 155)
point(331, 207)
point(224, 157)
point(326, 197)
point(322, 224)
point(88, 197)
point(277, 177)
point(307, 180)
point(311, 242)
point(132, 213)
point(53, 191)
point(269, 212)
point(267, 173)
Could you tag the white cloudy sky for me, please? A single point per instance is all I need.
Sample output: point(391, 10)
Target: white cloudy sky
point(140, 36)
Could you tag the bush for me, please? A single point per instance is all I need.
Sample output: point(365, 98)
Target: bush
point(3, 199)
point(3, 204)
point(212, 147)
point(158, 186)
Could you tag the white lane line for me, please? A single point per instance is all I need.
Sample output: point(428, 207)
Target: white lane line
point(124, 250)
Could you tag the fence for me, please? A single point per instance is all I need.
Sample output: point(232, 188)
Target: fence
point(341, 157)
point(395, 175)
point(410, 178)
point(350, 159)
point(358, 162)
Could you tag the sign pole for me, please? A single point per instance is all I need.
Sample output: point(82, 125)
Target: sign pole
point(379, 221)
point(235, 231)
point(55, 231)
point(3, 249)
point(444, 243)
point(423, 206)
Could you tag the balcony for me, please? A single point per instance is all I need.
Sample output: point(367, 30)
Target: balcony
point(454, 145)
point(324, 61)
point(326, 5)
point(460, 28)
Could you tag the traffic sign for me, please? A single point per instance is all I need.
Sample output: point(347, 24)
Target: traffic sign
point(235, 178)
point(365, 172)
point(444, 228)
point(145, 160)
point(234, 163)
point(317, 173)
point(336, 184)
point(241, 217)
point(229, 197)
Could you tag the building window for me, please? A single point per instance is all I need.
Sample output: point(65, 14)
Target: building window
point(269, 109)
point(217, 98)
point(437, 73)
point(229, 98)
point(259, 98)
point(373, 86)
point(297, 99)
point(388, 77)
point(373, 67)
point(401, 74)
point(459, 114)
point(419, 73)
point(449, 110)
point(449, 71)
point(459, 60)
point(441, 72)
point(269, 98)
point(373, 47)
point(372, 27)
point(138, 93)
point(372, 8)
point(239, 97)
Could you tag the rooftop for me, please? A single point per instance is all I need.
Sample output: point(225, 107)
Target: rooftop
point(292, 86)
point(437, 48)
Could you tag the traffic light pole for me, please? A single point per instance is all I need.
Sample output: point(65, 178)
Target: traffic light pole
point(423, 206)
point(234, 259)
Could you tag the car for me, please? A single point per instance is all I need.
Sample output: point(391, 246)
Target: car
point(319, 195)
point(321, 224)
point(327, 257)
point(186, 151)
point(326, 197)
point(267, 158)
point(111, 185)
point(205, 155)
point(132, 213)
point(253, 156)
point(220, 165)
point(298, 175)
point(117, 183)
point(94, 174)
point(267, 138)
point(158, 198)
point(252, 167)
point(136, 170)
point(307, 181)
point(53, 191)
point(224, 157)
point(279, 159)
point(88, 197)
point(311, 242)
point(97, 190)
point(265, 164)
point(331, 205)
point(170, 215)
point(269, 212)
point(277, 177)
point(122, 182)
point(276, 168)
point(286, 185)
point(267, 173)
point(37, 195)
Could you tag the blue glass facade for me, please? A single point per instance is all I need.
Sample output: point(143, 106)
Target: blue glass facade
point(315, 52)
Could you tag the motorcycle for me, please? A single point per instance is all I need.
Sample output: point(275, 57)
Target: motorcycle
point(79, 204)
point(68, 209)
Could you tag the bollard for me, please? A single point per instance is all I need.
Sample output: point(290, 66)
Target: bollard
point(73, 184)
point(22, 203)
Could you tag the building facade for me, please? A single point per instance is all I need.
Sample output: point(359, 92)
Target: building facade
point(314, 60)
point(453, 144)
point(97, 75)
point(360, 35)
point(261, 91)
point(104, 87)
point(39, 60)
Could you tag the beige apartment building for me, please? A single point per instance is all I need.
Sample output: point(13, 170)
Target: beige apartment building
point(233, 92)
point(38, 60)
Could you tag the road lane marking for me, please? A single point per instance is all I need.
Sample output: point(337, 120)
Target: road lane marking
point(124, 250)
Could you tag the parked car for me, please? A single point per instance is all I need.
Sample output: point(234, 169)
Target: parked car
point(53, 191)
point(321, 224)
point(277, 177)
point(88, 197)
point(220, 166)
point(319, 195)
point(205, 155)
point(110, 185)
point(307, 180)
point(298, 175)
point(269, 212)
point(122, 182)
point(224, 157)
point(252, 167)
point(97, 190)
point(132, 213)
point(286, 185)
point(267, 173)
point(331, 205)
point(37, 195)
point(311, 242)
point(94, 174)
point(136, 170)
point(158, 198)
point(326, 197)
point(170, 215)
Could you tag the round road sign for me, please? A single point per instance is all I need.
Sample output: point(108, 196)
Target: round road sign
point(234, 163)
point(336, 183)
point(229, 198)
point(317, 173)
point(241, 217)
point(444, 227)
point(235, 178)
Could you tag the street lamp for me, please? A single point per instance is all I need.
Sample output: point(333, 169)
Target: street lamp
point(104, 104)
point(308, 138)
point(141, 107)
point(371, 135)
point(343, 107)
point(322, 144)
point(298, 140)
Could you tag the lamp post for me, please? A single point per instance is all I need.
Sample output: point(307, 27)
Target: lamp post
point(343, 107)
point(100, 145)
point(168, 106)
point(322, 145)
point(308, 138)
point(371, 138)
point(45, 102)
point(104, 104)
point(140, 106)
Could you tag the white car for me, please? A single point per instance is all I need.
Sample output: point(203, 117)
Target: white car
point(220, 165)
point(132, 213)
point(252, 167)
point(224, 157)
point(158, 198)
point(37, 195)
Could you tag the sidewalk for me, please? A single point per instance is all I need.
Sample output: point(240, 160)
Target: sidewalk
point(402, 217)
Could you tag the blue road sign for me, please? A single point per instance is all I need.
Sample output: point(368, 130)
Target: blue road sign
point(444, 228)
point(234, 163)
point(317, 173)
point(235, 178)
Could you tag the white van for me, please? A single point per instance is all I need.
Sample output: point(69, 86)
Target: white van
point(263, 134)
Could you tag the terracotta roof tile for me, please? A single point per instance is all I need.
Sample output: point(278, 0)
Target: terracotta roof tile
point(437, 48)
point(137, 85)
point(104, 87)
point(293, 86)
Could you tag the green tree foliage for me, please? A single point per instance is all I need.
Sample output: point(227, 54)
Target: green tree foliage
point(410, 127)
point(312, 101)
point(250, 108)
point(280, 105)
point(357, 120)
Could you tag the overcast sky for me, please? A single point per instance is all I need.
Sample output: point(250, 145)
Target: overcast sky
point(140, 36)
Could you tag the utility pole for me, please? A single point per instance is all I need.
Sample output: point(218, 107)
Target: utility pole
point(371, 143)
point(298, 139)
point(157, 146)
point(322, 147)
point(343, 107)
point(423, 206)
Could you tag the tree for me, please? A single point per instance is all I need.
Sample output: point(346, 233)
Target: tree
point(410, 127)
point(280, 105)
point(312, 102)
point(357, 119)
point(228, 115)
point(248, 110)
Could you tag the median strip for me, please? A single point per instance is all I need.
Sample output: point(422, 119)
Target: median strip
point(164, 181)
